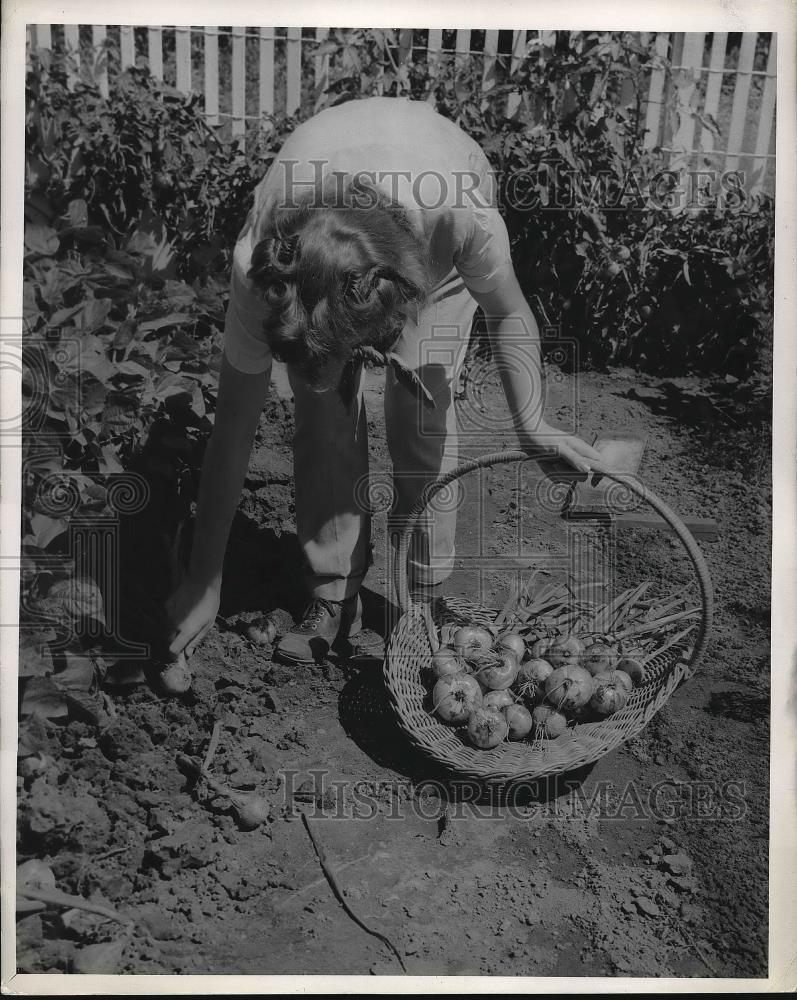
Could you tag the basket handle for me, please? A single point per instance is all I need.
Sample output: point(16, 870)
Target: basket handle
point(624, 479)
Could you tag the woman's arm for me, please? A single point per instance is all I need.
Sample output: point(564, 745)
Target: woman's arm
point(193, 607)
point(515, 342)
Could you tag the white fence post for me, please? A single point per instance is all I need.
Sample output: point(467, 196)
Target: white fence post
point(293, 78)
point(656, 92)
point(686, 83)
point(182, 58)
point(765, 119)
point(155, 50)
point(98, 36)
point(239, 83)
point(266, 95)
point(127, 46)
point(741, 96)
point(714, 86)
point(211, 55)
point(321, 70)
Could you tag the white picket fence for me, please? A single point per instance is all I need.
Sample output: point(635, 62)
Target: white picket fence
point(691, 83)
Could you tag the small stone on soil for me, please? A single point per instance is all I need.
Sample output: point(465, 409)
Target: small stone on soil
point(648, 907)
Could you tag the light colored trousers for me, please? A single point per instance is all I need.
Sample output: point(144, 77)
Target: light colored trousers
point(331, 455)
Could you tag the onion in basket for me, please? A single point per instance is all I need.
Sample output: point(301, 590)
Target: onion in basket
point(633, 666)
point(569, 688)
point(495, 671)
point(564, 650)
point(531, 678)
point(455, 697)
point(548, 722)
point(519, 720)
point(468, 638)
point(599, 656)
point(487, 727)
point(499, 699)
point(446, 662)
point(610, 694)
point(510, 641)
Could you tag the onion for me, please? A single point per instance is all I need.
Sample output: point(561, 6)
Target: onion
point(539, 648)
point(599, 657)
point(446, 662)
point(176, 678)
point(531, 679)
point(498, 699)
point(610, 695)
point(569, 688)
point(564, 650)
point(549, 722)
point(616, 677)
point(469, 638)
point(632, 666)
point(511, 641)
point(455, 697)
point(487, 727)
point(519, 720)
point(496, 671)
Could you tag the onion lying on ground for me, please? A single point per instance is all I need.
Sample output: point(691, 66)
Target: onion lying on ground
point(176, 677)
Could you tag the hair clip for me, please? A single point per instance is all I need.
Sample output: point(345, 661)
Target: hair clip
point(352, 287)
point(285, 250)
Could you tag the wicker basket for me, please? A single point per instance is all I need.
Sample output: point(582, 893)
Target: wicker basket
point(409, 653)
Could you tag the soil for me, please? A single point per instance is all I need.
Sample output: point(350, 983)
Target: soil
point(653, 863)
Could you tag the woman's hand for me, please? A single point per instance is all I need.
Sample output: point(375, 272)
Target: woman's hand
point(191, 611)
point(563, 457)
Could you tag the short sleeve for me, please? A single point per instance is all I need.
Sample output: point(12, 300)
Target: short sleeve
point(485, 255)
point(245, 344)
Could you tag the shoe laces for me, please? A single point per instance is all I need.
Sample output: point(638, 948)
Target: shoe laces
point(315, 613)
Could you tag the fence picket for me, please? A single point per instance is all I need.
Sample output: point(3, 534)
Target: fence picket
point(239, 83)
point(462, 45)
point(321, 70)
point(211, 38)
point(686, 83)
point(44, 36)
point(741, 96)
point(293, 95)
point(72, 44)
point(490, 59)
point(182, 57)
point(719, 43)
point(127, 46)
point(766, 116)
point(155, 51)
point(518, 48)
point(656, 93)
point(98, 36)
point(266, 95)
